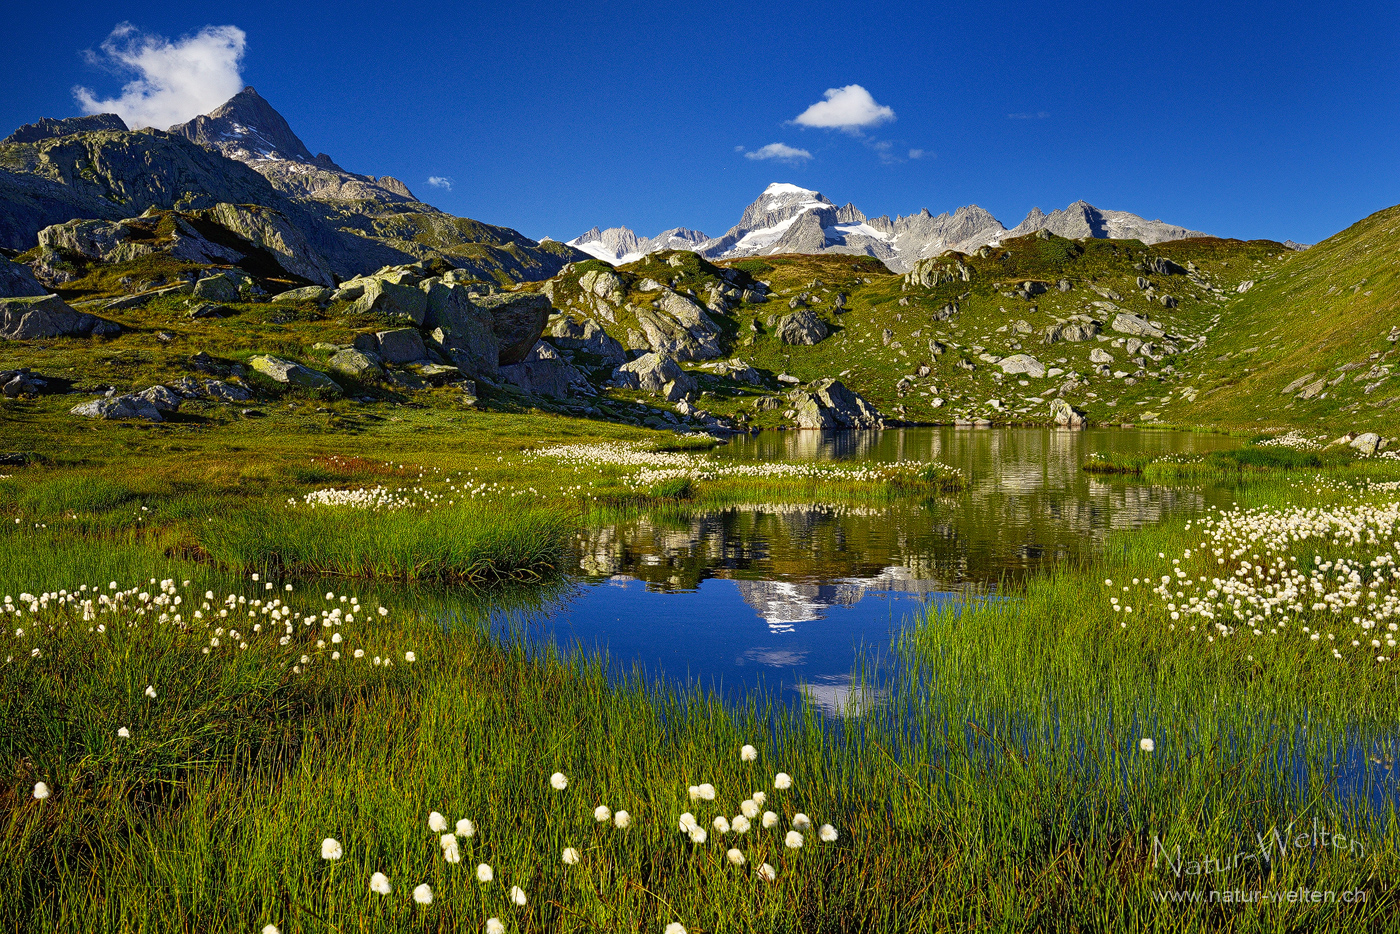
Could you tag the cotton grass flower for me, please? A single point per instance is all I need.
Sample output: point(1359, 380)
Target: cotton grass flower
point(759, 798)
point(150, 691)
point(410, 657)
point(675, 927)
point(331, 849)
point(740, 824)
point(465, 828)
point(770, 820)
point(436, 822)
point(484, 873)
point(687, 822)
point(767, 873)
point(494, 926)
point(379, 884)
point(749, 809)
point(827, 833)
point(748, 754)
point(123, 733)
point(570, 856)
point(707, 792)
point(735, 857)
point(602, 814)
point(622, 820)
point(801, 822)
point(517, 896)
point(793, 840)
point(423, 894)
point(1146, 745)
point(558, 781)
point(41, 791)
point(721, 824)
point(698, 836)
point(782, 781)
point(450, 850)
point(270, 929)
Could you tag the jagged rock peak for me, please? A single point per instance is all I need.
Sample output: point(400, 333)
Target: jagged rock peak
point(1082, 219)
point(248, 129)
point(48, 128)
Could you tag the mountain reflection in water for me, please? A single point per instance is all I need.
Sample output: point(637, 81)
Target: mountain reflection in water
point(797, 593)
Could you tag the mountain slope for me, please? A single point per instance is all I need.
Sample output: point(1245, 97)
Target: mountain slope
point(787, 218)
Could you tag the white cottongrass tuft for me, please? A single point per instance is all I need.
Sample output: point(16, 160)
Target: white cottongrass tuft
point(410, 657)
point(517, 896)
point(721, 824)
point(707, 791)
point(41, 791)
point(484, 873)
point(150, 691)
point(622, 819)
point(740, 824)
point(782, 781)
point(759, 798)
point(748, 754)
point(331, 849)
point(698, 836)
point(793, 840)
point(801, 821)
point(602, 814)
point(465, 828)
point(570, 856)
point(423, 894)
point(270, 929)
point(770, 820)
point(749, 809)
point(123, 733)
point(695, 792)
point(827, 833)
point(436, 822)
point(687, 822)
point(675, 927)
point(558, 781)
point(1146, 745)
point(450, 851)
point(767, 873)
point(735, 857)
point(379, 884)
point(494, 926)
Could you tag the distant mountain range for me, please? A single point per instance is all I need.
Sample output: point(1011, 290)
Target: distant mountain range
point(244, 152)
point(790, 219)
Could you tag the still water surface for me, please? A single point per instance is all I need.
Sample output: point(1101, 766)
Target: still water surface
point(786, 598)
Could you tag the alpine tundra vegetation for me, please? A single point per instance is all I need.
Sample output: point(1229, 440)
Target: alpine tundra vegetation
point(304, 482)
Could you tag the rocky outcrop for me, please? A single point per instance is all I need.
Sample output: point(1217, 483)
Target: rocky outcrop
point(1022, 363)
point(936, 270)
point(25, 319)
point(400, 345)
point(270, 230)
point(1138, 326)
point(355, 363)
point(543, 372)
point(380, 296)
point(517, 320)
point(674, 324)
point(802, 328)
point(462, 329)
point(828, 404)
point(130, 406)
point(656, 373)
point(291, 373)
point(17, 281)
point(1065, 415)
point(589, 338)
point(48, 128)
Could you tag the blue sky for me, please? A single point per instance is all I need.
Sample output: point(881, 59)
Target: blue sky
point(1269, 120)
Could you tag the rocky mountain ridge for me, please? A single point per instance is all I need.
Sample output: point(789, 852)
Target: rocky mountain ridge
point(787, 218)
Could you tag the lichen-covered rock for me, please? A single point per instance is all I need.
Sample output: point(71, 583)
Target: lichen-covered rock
point(936, 270)
point(802, 328)
point(272, 231)
point(17, 281)
point(604, 284)
point(291, 373)
point(311, 293)
point(461, 328)
point(401, 345)
point(216, 289)
point(1022, 363)
point(24, 319)
point(828, 404)
point(545, 373)
point(517, 320)
point(162, 397)
point(1065, 415)
point(119, 407)
point(679, 327)
point(1127, 323)
point(588, 337)
point(357, 363)
point(381, 297)
point(653, 372)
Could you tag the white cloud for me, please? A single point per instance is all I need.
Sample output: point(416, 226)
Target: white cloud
point(916, 154)
point(847, 108)
point(738, 148)
point(1038, 115)
point(782, 152)
point(174, 80)
point(440, 181)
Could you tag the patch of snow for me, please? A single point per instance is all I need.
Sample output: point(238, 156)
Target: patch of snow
point(859, 230)
point(764, 236)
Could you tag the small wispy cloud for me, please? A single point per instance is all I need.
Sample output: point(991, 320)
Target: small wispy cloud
point(738, 148)
point(174, 81)
point(440, 181)
point(780, 152)
point(1038, 115)
point(916, 154)
point(848, 108)
point(885, 150)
